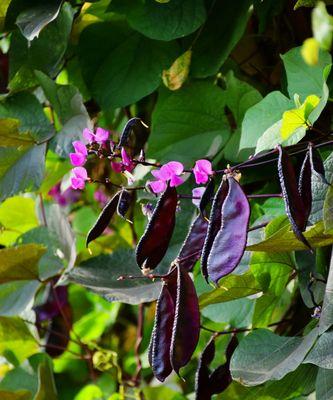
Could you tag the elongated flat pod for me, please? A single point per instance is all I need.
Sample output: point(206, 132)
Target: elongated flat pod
point(191, 250)
point(128, 128)
point(207, 196)
point(104, 219)
point(304, 185)
point(156, 238)
point(215, 220)
point(186, 326)
point(159, 348)
point(124, 203)
point(292, 200)
point(317, 163)
point(202, 383)
point(230, 242)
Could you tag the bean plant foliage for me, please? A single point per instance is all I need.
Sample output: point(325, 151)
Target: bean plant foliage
point(166, 201)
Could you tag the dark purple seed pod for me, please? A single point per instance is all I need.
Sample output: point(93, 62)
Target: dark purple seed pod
point(186, 327)
point(191, 250)
point(317, 164)
point(207, 196)
point(104, 219)
point(160, 343)
point(156, 238)
point(202, 383)
point(129, 127)
point(292, 200)
point(214, 225)
point(124, 203)
point(230, 241)
point(304, 185)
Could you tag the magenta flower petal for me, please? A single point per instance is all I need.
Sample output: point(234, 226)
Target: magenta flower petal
point(116, 166)
point(77, 159)
point(175, 167)
point(80, 172)
point(125, 158)
point(77, 183)
point(204, 166)
point(156, 173)
point(88, 135)
point(197, 192)
point(157, 186)
point(101, 135)
point(200, 177)
point(176, 181)
point(80, 147)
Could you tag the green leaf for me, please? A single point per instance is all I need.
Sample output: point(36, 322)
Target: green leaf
point(324, 384)
point(309, 3)
point(326, 317)
point(322, 26)
point(72, 114)
point(100, 274)
point(167, 21)
point(285, 240)
point(16, 341)
point(121, 66)
point(263, 310)
point(16, 296)
point(322, 352)
point(89, 392)
point(20, 263)
point(262, 356)
point(298, 117)
point(231, 287)
point(46, 384)
point(174, 77)
point(33, 19)
point(328, 210)
point(44, 53)
point(223, 29)
point(3, 10)
point(190, 118)
point(259, 118)
point(304, 79)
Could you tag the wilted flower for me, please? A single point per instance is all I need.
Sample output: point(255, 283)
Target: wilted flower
point(168, 172)
point(80, 156)
point(79, 178)
point(202, 170)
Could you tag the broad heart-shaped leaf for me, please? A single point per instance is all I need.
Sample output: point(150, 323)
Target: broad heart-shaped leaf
point(298, 117)
point(190, 118)
point(322, 352)
point(324, 384)
point(15, 296)
point(171, 20)
point(326, 318)
point(263, 356)
point(68, 104)
point(121, 66)
point(230, 288)
point(101, 273)
point(20, 263)
point(32, 20)
point(259, 118)
point(224, 27)
point(285, 240)
point(43, 53)
point(304, 79)
point(16, 341)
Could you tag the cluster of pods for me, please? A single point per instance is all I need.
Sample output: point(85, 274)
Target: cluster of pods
point(220, 245)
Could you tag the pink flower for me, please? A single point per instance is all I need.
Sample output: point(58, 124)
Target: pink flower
point(198, 192)
point(100, 136)
point(202, 170)
point(79, 177)
point(80, 156)
point(126, 161)
point(100, 197)
point(116, 166)
point(168, 172)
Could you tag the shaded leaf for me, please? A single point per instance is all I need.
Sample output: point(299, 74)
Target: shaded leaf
point(322, 352)
point(46, 385)
point(324, 384)
point(326, 317)
point(16, 296)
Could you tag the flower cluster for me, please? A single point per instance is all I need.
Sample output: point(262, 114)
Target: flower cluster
point(168, 173)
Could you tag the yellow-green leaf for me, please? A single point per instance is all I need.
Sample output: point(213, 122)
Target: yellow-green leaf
point(176, 75)
point(310, 51)
point(20, 263)
point(10, 134)
point(4, 4)
point(298, 117)
point(322, 26)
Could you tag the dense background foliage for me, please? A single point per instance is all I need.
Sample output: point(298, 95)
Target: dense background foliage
point(212, 79)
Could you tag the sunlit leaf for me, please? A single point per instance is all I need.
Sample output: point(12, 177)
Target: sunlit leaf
point(310, 51)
